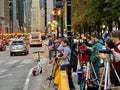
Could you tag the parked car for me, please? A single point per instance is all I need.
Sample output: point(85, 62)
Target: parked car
point(2, 45)
point(6, 41)
point(18, 46)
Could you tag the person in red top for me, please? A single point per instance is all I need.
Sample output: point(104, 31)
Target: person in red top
point(82, 57)
point(115, 36)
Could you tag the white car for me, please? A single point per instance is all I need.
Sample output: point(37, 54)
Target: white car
point(18, 46)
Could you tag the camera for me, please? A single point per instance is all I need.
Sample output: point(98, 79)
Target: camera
point(106, 51)
point(86, 51)
point(61, 54)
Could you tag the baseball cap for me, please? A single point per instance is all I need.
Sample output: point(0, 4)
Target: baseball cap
point(66, 41)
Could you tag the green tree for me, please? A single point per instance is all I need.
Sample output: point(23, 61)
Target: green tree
point(79, 22)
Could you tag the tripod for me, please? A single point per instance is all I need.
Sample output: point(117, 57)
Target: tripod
point(88, 80)
point(105, 83)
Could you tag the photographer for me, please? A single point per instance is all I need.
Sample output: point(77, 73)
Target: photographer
point(94, 59)
point(65, 60)
point(115, 36)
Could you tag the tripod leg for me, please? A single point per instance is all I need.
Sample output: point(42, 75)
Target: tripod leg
point(102, 79)
point(96, 78)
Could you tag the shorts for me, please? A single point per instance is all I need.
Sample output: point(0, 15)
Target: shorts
point(115, 80)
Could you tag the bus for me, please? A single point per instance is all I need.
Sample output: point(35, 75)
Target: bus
point(35, 39)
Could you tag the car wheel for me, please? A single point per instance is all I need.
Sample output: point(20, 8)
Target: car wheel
point(27, 52)
point(2, 49)
point(41, 45)
point(11, 54)
point(5, 48)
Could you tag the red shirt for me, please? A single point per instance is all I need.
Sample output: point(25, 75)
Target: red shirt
point(83, 58)
point(117, 64)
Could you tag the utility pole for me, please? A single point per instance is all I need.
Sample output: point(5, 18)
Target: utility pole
point(45, 14)
point(68, 15)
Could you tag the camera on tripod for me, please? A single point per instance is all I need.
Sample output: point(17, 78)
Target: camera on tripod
point(106, 51)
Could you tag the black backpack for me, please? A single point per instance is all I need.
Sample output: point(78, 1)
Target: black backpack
point(73, 59)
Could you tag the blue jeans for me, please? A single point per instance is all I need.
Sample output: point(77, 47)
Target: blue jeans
point(96, 75)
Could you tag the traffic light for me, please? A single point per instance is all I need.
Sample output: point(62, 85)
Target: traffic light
point(56, 23)
point(59, 3)
point(53, 27)
point(53, 21)
point(54, 11)
point(59, 12)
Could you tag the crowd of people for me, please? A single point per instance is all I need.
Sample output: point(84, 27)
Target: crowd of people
point(87, 49)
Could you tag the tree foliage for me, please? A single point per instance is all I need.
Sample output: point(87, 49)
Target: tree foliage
point(94, 13)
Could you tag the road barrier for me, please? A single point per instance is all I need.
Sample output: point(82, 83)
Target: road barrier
point(63, 81)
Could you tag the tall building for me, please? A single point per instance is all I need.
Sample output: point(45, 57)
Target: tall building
point(11, 15)
point(4, 16)
point(15, 22)
point(38, 14)
point(49, 8)
point(27, 15)
point(20, 14)
point(50, 5)
point(35, 15)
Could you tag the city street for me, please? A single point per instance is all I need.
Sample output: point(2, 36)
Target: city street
point(15, 70)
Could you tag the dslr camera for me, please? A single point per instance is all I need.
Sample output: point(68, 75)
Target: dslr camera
point(106, 51)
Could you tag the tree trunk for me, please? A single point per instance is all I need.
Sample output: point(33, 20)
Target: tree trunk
point(110, 27)
point(98, 28)
point(118, 25)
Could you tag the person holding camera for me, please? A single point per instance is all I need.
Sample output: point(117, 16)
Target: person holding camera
point(65, 61)
point(115, 36)
point(94, 59)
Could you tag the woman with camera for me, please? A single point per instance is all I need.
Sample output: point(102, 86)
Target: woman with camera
point(115, 36)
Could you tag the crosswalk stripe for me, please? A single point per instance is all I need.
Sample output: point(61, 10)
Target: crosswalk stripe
point(12, 62)
point(3, 71)
point(27, 61)
point(3, 76)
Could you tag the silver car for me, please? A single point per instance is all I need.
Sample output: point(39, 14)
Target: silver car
point(18, 46)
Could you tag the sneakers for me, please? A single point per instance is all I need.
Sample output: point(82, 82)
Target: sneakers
point(49, 78)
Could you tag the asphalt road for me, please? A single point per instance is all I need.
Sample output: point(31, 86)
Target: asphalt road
point(15, 70)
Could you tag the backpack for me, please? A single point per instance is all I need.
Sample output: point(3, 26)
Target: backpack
point(73, 59)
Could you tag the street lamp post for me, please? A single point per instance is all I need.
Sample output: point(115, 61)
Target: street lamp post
point(68, 17)
point(45, 14)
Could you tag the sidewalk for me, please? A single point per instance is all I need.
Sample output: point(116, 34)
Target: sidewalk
point(52, 87)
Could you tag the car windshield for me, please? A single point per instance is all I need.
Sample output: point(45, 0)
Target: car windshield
point(17, 43)
point(35, 37)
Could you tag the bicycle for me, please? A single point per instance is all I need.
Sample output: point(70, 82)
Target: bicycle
point(38, 68)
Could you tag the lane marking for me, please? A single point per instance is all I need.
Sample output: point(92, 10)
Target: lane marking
point(3, 76)
point(27, 61)
point(27, 80)
point(12, 62)
point(3, 71)
point(20, 66)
